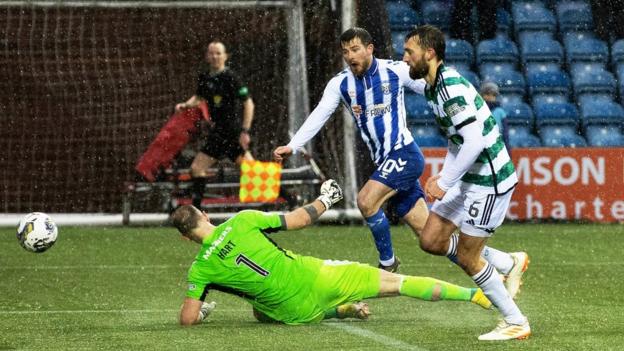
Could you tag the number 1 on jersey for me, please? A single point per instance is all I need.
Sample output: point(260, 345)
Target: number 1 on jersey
point(251, 264)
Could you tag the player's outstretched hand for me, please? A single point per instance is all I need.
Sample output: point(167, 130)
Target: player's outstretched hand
point(181, 106)
point(206, 309)
point(331, 193)
point(282, 152)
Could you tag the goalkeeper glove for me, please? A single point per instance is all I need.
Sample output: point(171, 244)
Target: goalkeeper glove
point(206, 309)
point(330, 193)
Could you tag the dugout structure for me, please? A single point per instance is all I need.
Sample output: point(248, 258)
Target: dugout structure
point(87, 85)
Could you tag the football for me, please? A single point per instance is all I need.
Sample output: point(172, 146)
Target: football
point(37, 232)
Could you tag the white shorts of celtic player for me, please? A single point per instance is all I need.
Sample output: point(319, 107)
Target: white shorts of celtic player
point(474, 213)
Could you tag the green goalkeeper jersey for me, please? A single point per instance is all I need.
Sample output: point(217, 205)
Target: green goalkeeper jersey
point(240, 259)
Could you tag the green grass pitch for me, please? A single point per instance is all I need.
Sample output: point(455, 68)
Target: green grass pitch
point(121, 288)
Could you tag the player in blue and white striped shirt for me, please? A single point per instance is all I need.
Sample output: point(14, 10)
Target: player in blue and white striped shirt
point(372, 91)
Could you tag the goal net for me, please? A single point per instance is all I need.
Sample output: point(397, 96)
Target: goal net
point(86, 86)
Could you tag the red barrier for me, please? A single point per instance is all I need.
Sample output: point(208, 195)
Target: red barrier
point(560, 183)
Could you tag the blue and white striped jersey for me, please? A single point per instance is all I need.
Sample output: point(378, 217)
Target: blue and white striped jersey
point(375, 101)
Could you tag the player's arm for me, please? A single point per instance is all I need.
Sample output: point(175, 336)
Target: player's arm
point(193, 101)
point(317, 119)
point(194, 311)
point(331, 193)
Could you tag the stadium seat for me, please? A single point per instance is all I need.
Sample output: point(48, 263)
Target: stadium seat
point(596, 81)
point(586, 50)
point(519, 114)
point(617, 52)
point(497, 50)
point(601, 112)
point(530, 67)
point(604, 135)
point(428, 136)
point(520, 136)
point(571, 38)
point(561, 136)
point(541, 50)
point(548, 83)
point(509, 82)
point(574, 16)
point(503, 21)
point(436, 13)
point(417, 110)
point(526, 37)
point(401, 16)
point(556, 114)
point(459, 52)
point(528, 16)
point(546, 98)
point(472, 77)
point(398, 39)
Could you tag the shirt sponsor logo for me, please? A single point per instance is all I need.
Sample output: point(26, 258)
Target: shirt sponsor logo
point(378, 110)
point(357, 110)
point(454, 109)
point(216, 243)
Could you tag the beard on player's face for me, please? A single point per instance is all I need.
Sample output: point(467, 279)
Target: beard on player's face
point(419, 69)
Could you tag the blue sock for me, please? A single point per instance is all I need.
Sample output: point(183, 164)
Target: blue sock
point(379, 225)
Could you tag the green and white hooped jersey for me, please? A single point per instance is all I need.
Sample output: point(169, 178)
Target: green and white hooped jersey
point(456, 103)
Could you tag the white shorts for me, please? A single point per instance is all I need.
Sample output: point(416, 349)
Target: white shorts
point(474, 213)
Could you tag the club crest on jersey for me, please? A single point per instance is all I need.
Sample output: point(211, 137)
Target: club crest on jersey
point(385, 88)
point(357, 110)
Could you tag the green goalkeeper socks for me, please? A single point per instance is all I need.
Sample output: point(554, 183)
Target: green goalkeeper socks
point(431, 289)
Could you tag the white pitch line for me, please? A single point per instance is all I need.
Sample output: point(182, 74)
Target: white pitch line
point(106, 311)
point(113, 267)
point(163, 266)
point(381, 339)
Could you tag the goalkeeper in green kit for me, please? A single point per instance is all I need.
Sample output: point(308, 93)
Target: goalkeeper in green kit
point(238, 257)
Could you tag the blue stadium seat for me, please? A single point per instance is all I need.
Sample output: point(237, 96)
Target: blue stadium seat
point(548, 83)
point(604, 135)
point(597, 81)
point(428, 136)
point(417, 110)
point(617, 52)
point(526, 37)
point(509, 82)
point(533, 67)
point(497, 50)
point(601, 112)
point(519, 114)
point(436, 13)
point(549, 98)
point(586, 50)
point(503, 21)
point(574, 16)
point(556, 114)
point(401, 16)
point(527, 16)
point(571, 38)
point(398, 39)
point(472, 77)
point(520, 136)
point(495, 68)
point(459, 52)
point(561, 136)
point(541, 50)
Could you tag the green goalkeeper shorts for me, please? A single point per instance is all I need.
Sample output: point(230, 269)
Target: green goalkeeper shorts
point(338, 282)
